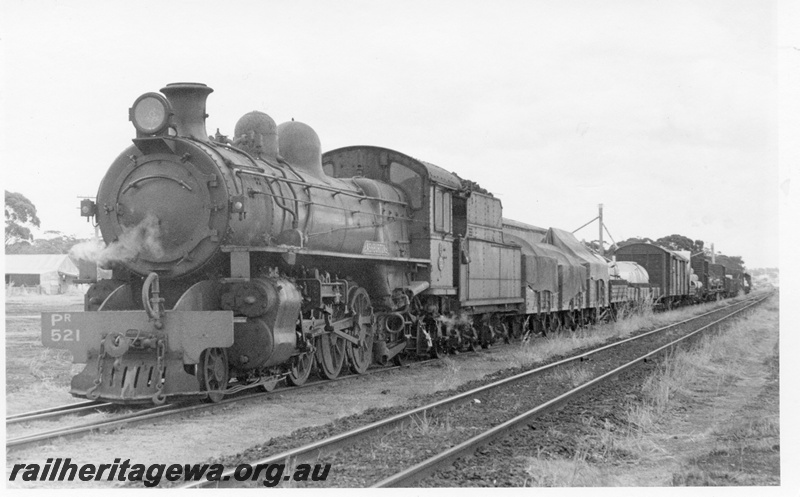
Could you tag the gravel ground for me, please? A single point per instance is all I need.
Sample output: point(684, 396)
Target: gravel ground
point(503, 463)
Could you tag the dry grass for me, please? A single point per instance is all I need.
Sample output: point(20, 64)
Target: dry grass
point(628, 323)
point(716, 361)
point(574, 376)
point(447, 377)
point(428, 425)
point(575, 472)
point(717, 358)
point(552, 345)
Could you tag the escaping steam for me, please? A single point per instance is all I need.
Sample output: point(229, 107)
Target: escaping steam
point(459, 321)
point(143, 240)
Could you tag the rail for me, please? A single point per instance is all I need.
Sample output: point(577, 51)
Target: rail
point(52, 412)
point(149, 413)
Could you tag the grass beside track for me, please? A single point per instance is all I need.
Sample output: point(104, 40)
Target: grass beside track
point(709, 417)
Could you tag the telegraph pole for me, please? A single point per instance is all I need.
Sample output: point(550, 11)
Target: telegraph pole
point(602, 228)
point(600, 217)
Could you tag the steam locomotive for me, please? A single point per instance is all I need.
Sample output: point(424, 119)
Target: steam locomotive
point(238, 263)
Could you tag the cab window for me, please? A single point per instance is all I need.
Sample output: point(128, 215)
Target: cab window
point(442, 211)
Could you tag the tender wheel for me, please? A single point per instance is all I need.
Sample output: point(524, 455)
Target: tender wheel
point(212, 372)
point(487, 336)
point(470, 338)
point(438, 341)
point(360, 357)
point(300, 369)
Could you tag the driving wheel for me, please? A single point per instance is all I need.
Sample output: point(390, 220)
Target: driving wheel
point(331, 350)
point(300, 369)
point(360, 356)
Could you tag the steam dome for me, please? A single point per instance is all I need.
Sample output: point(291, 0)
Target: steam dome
point(257, 134)
point(299, 145)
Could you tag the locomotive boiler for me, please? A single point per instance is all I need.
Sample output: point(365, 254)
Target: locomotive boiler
point(232, 259)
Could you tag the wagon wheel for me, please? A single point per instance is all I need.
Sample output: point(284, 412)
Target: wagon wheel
point(300, 369)
point(331, 350)
point(540, 326)
point(212, 373)
point(573, 321)
point(555, 323)
point(360, 357)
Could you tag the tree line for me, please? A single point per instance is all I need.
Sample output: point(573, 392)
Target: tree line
point(21, 218)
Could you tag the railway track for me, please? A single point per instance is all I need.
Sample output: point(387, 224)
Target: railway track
point(58, 411)
point(417, 472)
point(146, 414)
point(315, 451)
point(150, 413)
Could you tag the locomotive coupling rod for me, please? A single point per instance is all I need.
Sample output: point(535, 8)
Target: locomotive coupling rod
point(320, 328)
point(342, 324)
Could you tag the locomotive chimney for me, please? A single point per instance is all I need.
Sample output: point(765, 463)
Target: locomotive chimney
point(188, 101)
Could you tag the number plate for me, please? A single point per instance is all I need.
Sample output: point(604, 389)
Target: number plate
point(188, 332)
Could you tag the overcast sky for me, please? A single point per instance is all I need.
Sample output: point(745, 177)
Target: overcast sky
point(664, 111)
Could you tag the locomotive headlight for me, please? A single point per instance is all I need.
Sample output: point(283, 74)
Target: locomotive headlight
point(88, 208)
point(150, 113)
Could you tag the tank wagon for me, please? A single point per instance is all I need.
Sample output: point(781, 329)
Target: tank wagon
point(239, 263)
